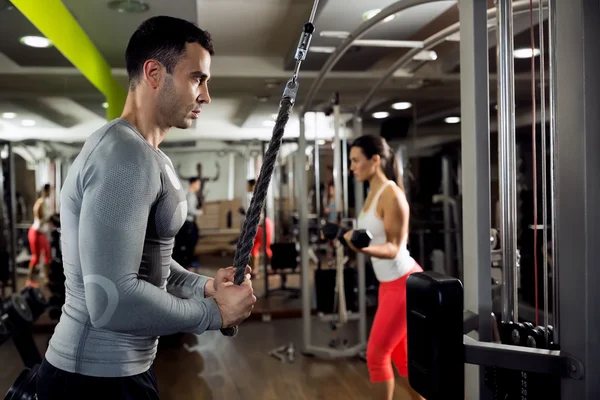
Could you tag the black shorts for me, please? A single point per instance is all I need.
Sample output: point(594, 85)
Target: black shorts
point(54, 384)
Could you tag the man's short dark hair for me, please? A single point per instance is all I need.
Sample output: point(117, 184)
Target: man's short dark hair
point(162, 38)
point(193, 180)
point(251, 182)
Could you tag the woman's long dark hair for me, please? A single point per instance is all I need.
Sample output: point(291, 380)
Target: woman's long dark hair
point(372, 145)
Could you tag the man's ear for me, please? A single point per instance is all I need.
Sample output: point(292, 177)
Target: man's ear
point(152, 73)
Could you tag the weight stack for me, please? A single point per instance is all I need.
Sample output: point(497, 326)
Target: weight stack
point(522, 385)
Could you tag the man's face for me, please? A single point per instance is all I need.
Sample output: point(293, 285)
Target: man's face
point(195, 187)
point(183, 93)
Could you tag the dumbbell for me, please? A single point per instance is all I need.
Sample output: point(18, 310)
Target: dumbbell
point(35, 300)
point(361, 238)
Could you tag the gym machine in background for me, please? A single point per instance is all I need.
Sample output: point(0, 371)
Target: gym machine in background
point(8, 215)
point(557, 360)
point(309, 347)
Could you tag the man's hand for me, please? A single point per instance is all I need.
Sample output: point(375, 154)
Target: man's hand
point(235, 302)
point(223, 275)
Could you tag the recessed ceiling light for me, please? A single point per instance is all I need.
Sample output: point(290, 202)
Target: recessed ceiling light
point(9, 115)
point(452, 120)
point(105, 105)
point(335, 34)
point(322, 49)
point(269, 124)
point(36, 41)
point(129, 6)
point(526, 53)
point(381, 114)
point(402, 105)
point(28, 122)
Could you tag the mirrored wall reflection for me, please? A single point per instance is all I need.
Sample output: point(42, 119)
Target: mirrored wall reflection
point(46, 107)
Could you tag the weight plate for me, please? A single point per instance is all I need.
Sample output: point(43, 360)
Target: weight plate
point(18, 310)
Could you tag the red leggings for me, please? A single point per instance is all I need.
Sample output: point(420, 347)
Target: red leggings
point(387, 340)
point(258, 239)
point(38, 243)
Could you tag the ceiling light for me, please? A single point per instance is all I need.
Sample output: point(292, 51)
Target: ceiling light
point(36, 41)
point(402, 105)
point(426, 55)
point(371, 13)
point(526, 53)
point(322, 49)
point(388, 43)
point(9, 115)
point(335, 34)
point(28, 122)
point(105, 105)
point(381, 114)
point(269, 124)
point(452, 120)
point(129, 6)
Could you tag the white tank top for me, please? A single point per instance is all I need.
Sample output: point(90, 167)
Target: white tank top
point(386, 270)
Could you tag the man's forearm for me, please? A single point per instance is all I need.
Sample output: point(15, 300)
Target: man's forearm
point(185, 284)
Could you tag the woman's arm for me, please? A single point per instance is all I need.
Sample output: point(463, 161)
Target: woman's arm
point(395, 208)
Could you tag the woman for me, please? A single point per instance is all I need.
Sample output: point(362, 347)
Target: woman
point(385, 215)
point(330, 203)
point(38, 241)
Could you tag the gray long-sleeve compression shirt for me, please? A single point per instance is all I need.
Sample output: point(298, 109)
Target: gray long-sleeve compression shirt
point(121, 207)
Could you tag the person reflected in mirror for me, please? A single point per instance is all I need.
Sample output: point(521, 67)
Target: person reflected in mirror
point(38, 239)
point(262, 240)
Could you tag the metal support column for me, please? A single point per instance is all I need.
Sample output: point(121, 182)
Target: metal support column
point(507, 161)
point(317, 162)
point(448, 245)
point(578, 193)
point(302, 206)
point(359, 199)
point(12, 214)
point(337, 159)
point(553, 163)
point(345, 187)
point(474, 85)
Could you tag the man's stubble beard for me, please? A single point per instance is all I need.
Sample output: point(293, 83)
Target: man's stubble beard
point(170, 108)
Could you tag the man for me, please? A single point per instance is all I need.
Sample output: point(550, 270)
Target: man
point(121, 206)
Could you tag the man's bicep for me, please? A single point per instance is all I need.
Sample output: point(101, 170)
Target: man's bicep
point(112, 227)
